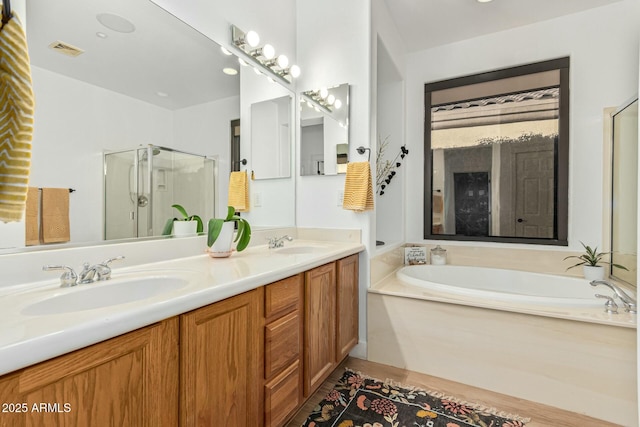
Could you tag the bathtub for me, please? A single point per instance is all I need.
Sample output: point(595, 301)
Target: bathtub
point(538, 337)
point(494, 284)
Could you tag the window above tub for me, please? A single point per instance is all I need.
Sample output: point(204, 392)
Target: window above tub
point(497, 155)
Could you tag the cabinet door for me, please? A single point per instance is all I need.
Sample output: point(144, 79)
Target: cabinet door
point(130, 380)
point(347, 306)
point(320, 326)
point(220, 363)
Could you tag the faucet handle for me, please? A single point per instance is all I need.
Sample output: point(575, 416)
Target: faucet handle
point(105, 272)
point(68, 278)
point(110, 260)
point(610, 305)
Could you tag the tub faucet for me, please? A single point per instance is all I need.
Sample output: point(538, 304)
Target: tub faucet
point(278, 242)
point(629, 303)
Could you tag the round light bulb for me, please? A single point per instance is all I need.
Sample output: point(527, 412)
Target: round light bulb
point(294, 71)
point(324, 92)
point(282, 61)
point(268, 51)
point(331, 99)
point(338, 104)
point(252, 38)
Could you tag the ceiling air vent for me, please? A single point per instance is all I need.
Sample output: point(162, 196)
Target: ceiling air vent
point(65, 48)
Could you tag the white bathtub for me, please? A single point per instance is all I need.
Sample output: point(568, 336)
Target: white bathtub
point(503, 285)
point(538, 337)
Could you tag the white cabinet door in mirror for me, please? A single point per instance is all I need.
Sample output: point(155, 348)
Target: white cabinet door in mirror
point(271, 138)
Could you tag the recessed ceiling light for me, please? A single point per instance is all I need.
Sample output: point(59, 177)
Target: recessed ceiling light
point(230, 71)
point(484, 1)
point(101, 35)
point(162, 94)
point(116, 23)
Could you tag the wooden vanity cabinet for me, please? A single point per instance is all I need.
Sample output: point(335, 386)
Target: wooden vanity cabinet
point(319, 326)
point(331, 318)
point(249, 360)
point(283, 349)
point(129, 380)
point(347, 303)
point(221, 363)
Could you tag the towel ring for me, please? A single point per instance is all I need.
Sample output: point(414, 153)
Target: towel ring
point(362, 149)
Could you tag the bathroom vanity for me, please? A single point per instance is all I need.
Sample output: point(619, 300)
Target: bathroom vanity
point(248, 359)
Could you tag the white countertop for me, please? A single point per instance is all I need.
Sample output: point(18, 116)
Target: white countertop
point(28, 339)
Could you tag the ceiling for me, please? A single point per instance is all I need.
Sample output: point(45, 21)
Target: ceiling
point(161, 55)
point(165, 55)
point(424, 24)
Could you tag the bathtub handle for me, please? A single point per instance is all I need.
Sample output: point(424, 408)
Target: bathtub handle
point(610, 306)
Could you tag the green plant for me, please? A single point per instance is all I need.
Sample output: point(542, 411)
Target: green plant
point(185, 217)
point(591, 257)
point(243, 235)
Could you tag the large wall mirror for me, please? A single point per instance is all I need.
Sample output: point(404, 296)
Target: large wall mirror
point(496, 155)
point(324, 130)
point(624, 200)
point(116, 75)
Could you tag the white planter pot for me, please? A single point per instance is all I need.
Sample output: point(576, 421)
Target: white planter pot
point(593, 272)
point(221, 248)
point(185, 228)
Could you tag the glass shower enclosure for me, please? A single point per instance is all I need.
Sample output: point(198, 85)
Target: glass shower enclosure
point(141, 184)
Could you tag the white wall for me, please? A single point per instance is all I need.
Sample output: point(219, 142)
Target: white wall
point(206, 129)
point(74, 123)
point(603, 46)
point(334, 48)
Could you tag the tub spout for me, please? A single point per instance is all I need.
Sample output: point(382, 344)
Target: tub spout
point(629, 303)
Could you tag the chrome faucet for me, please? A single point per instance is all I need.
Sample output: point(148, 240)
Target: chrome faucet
point(278, 242)
point(629, 303)
point(89, 273)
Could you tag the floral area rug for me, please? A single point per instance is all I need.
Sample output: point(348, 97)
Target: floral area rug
point(360, 401)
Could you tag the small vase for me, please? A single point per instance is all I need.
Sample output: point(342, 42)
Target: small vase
point(221, 248)
point(185, 228)
point(593, 272)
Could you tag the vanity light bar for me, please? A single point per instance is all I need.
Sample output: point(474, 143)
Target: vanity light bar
point(263, 57)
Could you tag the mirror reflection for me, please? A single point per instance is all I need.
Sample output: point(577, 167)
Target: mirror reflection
point(271, 138)
point(494, 151)
point(113, 76)
point(141, 185)
point(624, 212)
point(324, 130)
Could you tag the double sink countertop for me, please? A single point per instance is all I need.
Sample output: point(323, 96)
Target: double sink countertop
point(42, 320)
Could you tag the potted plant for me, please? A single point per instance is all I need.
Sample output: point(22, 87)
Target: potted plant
point(185, 226)
point(220, 234)
point(590, 261)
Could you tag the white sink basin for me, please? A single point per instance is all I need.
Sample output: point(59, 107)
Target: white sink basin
point(104, 294)
point(292, 250)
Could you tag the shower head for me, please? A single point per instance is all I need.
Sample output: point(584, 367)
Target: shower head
point(145, 154)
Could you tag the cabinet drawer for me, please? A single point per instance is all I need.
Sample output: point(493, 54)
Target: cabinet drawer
point(283, 296)
point(282, 343)
point(282, 396)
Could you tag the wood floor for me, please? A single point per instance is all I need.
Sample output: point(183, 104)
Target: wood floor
point(541, 415)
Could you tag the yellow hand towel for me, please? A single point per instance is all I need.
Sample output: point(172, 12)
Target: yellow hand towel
point(32, 225)
point(358, 187)
point(55, 215)
point(239, 191)
point(16, 120)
